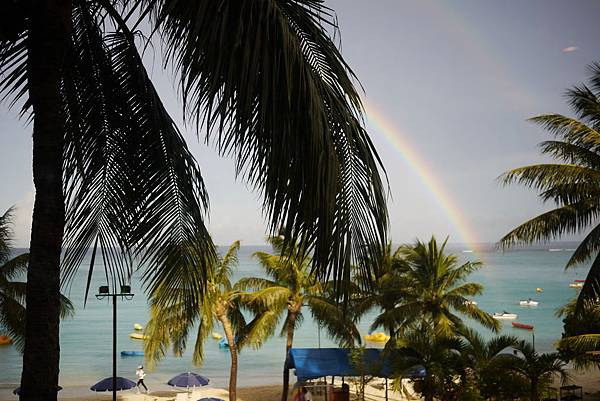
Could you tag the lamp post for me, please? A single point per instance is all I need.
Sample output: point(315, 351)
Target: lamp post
point(104, 292)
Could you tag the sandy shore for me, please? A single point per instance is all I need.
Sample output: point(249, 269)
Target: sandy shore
point(375, 391)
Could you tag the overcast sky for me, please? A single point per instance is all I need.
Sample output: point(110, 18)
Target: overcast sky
point(455, 79)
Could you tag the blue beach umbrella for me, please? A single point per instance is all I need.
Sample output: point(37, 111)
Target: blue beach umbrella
point(188, 379)
point(17, 391)
point(106, 384)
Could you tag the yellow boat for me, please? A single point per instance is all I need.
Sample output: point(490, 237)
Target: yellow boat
point(5, 340)
point(138, 326)
point(377, 337)
point(216, 335)
point(138, 336)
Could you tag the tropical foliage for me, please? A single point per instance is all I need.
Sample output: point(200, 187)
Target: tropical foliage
point(12, 291)
point(439, 357)
point(263, 81)
point(222, 303)
point(424, 284)
point(290, 288)
point(571, 184)
point(581, 334)
point(537, 369)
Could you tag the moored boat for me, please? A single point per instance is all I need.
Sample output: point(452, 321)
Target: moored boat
point(505, 315)
point(522, 326)
point(377, 337)
point(576, 285)
point(138, 336)
point(132, 353)
point(474, 303)
point(528, 302)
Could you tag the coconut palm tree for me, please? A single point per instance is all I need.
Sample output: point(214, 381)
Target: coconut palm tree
point(437, 291)
point(263, 80)
point(12, 292)
point(439, 356)
point(571, 183)
point(289, 289)
point(222, 303)
point(580, 341)
point(537, 369)
point(389, 288)
point(481, 353)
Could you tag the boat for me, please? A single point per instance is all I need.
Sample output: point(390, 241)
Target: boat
point(5, 340)
point(505, 315)
point(576, 285)
point(132, 353)
point(216, 335)
point(138, 326)
point(523, 326)
point(539, 289)
point(467, 302)
point(377, 337)
point(529, 302)
point(138, 336)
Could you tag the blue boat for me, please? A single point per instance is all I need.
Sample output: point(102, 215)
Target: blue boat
point(132, 353)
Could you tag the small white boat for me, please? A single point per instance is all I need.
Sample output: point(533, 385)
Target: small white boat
point(529, 302)
point(505, 315)
point(474, 303)
point(576, 285)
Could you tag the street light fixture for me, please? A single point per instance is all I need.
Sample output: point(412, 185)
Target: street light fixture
point(125, 293)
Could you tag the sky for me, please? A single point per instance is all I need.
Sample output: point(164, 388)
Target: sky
point(448, 87)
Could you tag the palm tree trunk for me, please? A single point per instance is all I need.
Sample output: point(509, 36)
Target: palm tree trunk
point(291, 323)
point(234, 357)
point(534, 391)
point(49, 27)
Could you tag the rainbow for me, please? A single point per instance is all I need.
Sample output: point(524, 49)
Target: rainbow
point(419, 166)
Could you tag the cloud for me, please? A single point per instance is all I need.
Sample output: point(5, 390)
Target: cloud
point(570, 49)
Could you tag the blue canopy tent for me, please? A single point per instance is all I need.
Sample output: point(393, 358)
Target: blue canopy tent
point(313, 363)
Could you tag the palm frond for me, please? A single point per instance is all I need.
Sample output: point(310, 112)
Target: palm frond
point(585, 343)
point(319, 176)
point(554, 223)
point(15, 267)
point(131, 185)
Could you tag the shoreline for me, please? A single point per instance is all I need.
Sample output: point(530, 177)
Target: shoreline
point(589, 380)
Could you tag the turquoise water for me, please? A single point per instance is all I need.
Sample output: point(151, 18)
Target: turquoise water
point(86, 339)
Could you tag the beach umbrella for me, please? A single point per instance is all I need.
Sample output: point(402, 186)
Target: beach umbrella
point(106, 384)
point(210, 399)
point(17, 391)
point(188, 379)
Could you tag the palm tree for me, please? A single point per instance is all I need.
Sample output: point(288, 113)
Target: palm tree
point(440, 356)
point(12, 293)
point(483, 354)
point(485, 357)
point(388, 289)
point(289, 288)
point(437, 291)
point(222, 303)
point(581, 333)
point(571, 183)
point(536, 368)
point(262, 79)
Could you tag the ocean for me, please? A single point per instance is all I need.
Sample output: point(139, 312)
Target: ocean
point(86, 339)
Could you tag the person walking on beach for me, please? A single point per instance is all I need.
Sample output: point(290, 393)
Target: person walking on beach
point(140, 376)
